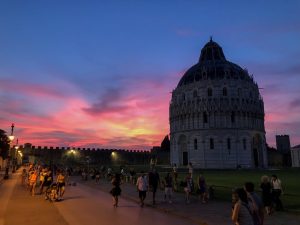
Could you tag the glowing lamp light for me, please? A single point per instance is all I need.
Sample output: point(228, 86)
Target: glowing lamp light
point(72, 152)
point(114, 154)
point(11, 137)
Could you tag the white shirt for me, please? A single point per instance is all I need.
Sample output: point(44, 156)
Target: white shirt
point(142, 183)
point(276, 184)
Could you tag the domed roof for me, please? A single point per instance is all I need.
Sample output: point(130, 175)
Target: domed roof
point(211, 52)
point(212, 65)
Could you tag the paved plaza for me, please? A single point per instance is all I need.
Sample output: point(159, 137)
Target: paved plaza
point(90, 203)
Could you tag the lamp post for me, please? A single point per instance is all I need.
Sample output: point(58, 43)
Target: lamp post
point(19, 158)
point(87, 158)
point(15, 156)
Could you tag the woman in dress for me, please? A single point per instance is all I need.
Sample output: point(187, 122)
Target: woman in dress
point(202, 188)
point(116, 190)
point(188, 187)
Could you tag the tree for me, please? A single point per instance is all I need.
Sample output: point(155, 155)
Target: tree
point(4, 144)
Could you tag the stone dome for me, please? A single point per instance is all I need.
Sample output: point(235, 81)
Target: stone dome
point(216, 115)
point(212, 65)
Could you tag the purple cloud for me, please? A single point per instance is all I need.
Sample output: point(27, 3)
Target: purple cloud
point(295, 103)
point(112, 101)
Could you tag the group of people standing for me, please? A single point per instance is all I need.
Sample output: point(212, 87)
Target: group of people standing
point(39, 180)
point(145, 182)
point(271, 191)
point(249, 208)
point(151, 182)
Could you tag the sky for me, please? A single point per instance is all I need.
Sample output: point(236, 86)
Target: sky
point(100, 73)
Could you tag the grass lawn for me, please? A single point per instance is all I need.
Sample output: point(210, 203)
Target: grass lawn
point(225, 180)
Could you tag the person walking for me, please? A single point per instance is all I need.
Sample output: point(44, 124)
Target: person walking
point(154, 181)
point(255, 204)
point(266, 192)
point(116, 190)
point(32, 181)
point(188, 187)
point(241, 213)
point(168, 182)
point(61, 182)
point(175, 175)
point(43, 174)
point(23, 176)
point(47, 181)
point(142, 187)
point(276, 192)
point(202, 187)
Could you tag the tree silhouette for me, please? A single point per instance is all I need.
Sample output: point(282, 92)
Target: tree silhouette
point(4, 144)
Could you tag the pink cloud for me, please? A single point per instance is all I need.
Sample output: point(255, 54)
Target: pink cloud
point(133, 119)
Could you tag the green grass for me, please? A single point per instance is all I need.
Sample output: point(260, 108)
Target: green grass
point(225, 180)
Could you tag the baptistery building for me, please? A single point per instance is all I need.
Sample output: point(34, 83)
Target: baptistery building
point(216, 115)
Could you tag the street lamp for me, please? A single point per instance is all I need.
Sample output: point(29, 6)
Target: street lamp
point(87, 158)
point(114, 157)
point(11, 138)
point(19, 157)
point(14, 162)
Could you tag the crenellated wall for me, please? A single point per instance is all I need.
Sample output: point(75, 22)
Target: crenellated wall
point(53, 155)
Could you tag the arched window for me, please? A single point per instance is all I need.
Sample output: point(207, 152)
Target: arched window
point(183, 96)
point(232, 117)
point(228, 143)
point(211, 143)
point(239, 91)
point(195, 144)
point(195, 94)
point(244, 144)
point(229, 146)
point(224, 91)
point(205, 120)
point(209, 92)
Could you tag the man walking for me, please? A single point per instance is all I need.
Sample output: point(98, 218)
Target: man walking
point(142, 186)
point(154, 181)
point(255, 204)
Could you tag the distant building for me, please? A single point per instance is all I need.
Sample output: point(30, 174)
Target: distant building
point(283, 143)
point(275, 158)
point(284, 147)
point(217, 115)
point(295, 154)
point(162, 153)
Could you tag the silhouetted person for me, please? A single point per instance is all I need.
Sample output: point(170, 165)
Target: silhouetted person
point(154, 181)
point(276, 192)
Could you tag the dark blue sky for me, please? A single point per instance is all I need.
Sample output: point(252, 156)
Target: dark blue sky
point(99, 73)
